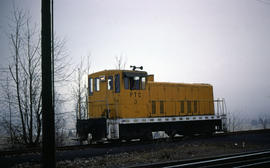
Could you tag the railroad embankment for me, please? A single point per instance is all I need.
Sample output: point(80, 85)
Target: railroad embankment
point(188, 148)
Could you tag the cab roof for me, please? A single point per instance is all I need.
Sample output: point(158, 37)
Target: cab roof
point(127, 73)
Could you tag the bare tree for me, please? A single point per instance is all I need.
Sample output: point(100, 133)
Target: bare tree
point(80, 89)
point(25, 71)
point(234, 123)
point(120, 62)
point(62, 77)
point(264, 120)
point(7, 120)
point(60, 123)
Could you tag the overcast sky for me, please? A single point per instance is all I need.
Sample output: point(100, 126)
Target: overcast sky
point(222, 42)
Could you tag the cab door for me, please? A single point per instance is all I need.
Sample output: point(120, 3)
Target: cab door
point(135, 97)
point(112, 95)
point(139, 97)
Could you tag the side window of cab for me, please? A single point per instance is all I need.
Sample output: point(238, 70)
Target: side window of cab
point(110, 82)
point(117, 83)
point(90, 86)
point(97, 84)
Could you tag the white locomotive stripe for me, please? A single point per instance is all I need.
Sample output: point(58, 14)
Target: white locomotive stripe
point(167, 119)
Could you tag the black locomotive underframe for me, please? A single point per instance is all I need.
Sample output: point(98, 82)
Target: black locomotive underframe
point(98, 128)
point(144, 130)
point(95, 126)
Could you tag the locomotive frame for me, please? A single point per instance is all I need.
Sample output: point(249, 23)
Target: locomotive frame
point(124, 104)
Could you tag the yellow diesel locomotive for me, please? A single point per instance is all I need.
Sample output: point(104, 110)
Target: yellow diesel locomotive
point(129, 104)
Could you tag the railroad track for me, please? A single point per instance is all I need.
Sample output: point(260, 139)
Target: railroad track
point(73, 147)
point(240, 160)
point(104, 145)
point(38, 149)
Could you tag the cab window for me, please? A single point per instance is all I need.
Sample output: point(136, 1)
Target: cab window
point(135, 83)
point(143, 83)
point(97, 84)
point(90, 86)
point(126, 83)
point(110, 83)
point(117, 83)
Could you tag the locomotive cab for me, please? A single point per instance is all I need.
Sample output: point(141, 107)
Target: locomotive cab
point(116, 94)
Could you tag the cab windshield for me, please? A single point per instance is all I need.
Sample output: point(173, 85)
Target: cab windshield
point(134, 81)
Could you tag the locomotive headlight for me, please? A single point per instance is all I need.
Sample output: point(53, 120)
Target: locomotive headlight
point(136, 78)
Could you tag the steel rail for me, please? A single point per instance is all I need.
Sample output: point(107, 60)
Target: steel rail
point(241, 163)
point(265, 163)
point(247, 159)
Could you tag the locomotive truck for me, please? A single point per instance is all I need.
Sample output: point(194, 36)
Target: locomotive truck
point(129, 104)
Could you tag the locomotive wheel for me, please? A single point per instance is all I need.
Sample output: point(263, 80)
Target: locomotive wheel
point(80, 141)
point(128, 139)
point(82, 138)
point(172, 135)
point(147, 136)
point(209, 134)
point(115, 141)
point(89, 141)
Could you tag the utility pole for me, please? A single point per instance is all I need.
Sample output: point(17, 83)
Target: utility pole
point(48, 126)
